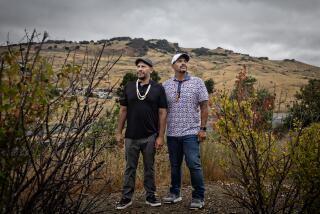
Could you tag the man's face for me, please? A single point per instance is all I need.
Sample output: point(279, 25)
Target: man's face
point(143, 70)
point(181, 65)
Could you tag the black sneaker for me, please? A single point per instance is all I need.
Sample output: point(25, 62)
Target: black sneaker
point(153, 201)
point(124, 203)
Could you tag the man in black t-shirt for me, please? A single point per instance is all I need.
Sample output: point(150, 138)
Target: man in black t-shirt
point(144, 107)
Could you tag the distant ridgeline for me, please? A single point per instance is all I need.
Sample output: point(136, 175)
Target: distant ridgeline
point(138, 45)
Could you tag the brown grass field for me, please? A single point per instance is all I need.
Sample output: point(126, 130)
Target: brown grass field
point(282, 77)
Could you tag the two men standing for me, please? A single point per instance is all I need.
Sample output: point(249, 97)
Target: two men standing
point(144, 106)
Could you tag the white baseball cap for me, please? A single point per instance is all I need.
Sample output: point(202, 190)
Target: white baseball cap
point(177, 56)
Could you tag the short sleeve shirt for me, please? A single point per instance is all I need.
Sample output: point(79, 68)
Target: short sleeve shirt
point(184, 114)
point(143, 115)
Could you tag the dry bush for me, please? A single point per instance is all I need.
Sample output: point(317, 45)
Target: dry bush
point(45, 165)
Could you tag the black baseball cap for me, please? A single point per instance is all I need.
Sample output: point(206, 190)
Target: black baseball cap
point(145, 60)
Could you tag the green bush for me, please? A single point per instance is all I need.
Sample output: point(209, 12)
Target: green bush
point(104, 129)
point(306, 108)
point(306, 168)
point(209, 85)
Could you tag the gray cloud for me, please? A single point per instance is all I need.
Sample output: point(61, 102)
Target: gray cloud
point(275, 28)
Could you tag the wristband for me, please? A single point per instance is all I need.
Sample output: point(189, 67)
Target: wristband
point(203, 128)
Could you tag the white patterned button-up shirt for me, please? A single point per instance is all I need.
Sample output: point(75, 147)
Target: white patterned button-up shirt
point(184, 113)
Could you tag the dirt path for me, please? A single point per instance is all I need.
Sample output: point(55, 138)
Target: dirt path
point(216, 202)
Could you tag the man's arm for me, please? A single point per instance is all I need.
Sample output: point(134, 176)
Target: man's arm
point(204, 117)
point(121, 121)
point(162, 127)
point(204, 113)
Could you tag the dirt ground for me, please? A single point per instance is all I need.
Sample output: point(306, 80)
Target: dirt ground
point(215, 202)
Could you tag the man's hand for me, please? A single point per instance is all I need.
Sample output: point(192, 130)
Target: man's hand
point(120, 140)
point(159, 142)
point(202, 135)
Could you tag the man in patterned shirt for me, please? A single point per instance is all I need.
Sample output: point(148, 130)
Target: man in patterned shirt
point(187, 116)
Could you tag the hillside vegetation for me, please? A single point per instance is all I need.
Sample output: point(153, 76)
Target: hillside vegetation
point(284, 77)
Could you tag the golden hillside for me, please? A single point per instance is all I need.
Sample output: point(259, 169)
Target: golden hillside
point(284, 77)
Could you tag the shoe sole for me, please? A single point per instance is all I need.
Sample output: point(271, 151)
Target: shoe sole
point(174, 201)
point(127, 205)
point(196, 208)
point(153, 205)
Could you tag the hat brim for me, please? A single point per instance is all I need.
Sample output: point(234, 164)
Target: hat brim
point(178, 56)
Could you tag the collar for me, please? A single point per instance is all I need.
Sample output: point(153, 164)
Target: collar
point(186, 77)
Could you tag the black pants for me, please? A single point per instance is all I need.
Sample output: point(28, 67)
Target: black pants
point(132, 150)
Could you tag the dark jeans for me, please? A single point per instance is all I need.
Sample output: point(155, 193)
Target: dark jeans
point(132, 152)
point(189, 147)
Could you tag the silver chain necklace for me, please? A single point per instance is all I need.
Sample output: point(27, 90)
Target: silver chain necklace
point(142, 97)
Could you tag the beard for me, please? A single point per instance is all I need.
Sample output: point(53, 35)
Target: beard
point(142, 78)
point(184, 70)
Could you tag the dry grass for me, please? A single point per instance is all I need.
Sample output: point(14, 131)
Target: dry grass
point(212, 156)
point(282, 77)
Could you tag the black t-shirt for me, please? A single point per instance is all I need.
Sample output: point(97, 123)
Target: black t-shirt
point(143, 115)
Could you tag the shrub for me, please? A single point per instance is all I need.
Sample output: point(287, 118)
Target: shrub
point(201, 51)
point(270, 176)
point(139, 45)
point(84, 42)
point(104, 129)
point(43, 166)
point(306, 108)
point(128, 77)
point(209, 85)
point(306, 168)
point(263, 100)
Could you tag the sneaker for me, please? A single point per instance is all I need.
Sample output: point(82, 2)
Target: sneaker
point(124, 203)
point(196, 204)
point(153, 201)
point(172, 198)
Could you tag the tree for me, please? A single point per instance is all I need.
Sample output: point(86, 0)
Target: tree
point(306, 108)
point(262, 99)
point(128, 77)
point(209, 85)
point(244, 86)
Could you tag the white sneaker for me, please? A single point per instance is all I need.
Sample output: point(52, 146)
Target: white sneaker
point(196, 204)
point(172, 198)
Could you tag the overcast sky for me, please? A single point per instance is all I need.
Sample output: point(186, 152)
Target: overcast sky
point(277, 29)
